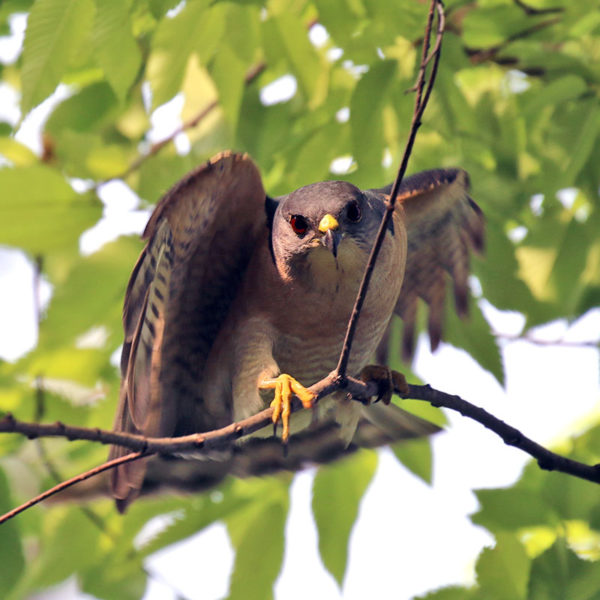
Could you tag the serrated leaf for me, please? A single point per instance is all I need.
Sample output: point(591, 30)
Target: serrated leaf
point(55, 31)
point(116, 48)
point(337, 492)
point(503, 571)
point(41, 211)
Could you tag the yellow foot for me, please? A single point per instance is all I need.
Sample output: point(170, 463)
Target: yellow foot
point(284, 386)
point(387, 381)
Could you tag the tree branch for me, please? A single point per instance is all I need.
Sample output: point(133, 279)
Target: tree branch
point(69, 482)
point(423, 92)
point(219, 438)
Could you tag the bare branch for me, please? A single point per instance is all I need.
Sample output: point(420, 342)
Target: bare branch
point(359, 390)
point(423, 92)
point(65, 484)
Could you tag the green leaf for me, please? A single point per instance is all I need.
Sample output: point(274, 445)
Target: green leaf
point(558, 574)
point(338, 490)
point(18, 154)
point(511, 509)
point(257, 534)
point(227, 71)
point(74, 311)
point(204, 511)
point(582, 141)
point(452, 593)
point(491, 26)
point(116, 48)
point(285, 38)
point(416, 456)
point(12, 561)
point(473, 334)
point(366, 106)
point(192, 30)
point(503, 571)
point(71, 543)
point(84, 111)
point(41, 211)
point(562, 89)
point(55, 32)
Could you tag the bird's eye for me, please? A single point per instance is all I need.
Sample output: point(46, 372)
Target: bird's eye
point(299, 224)
point(353, 212)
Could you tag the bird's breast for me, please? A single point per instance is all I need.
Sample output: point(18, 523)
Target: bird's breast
point(317, 311)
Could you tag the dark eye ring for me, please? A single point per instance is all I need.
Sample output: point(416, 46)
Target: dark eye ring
point(299, 224)
point(353, 212)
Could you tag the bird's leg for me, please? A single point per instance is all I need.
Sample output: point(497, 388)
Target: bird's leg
point(284, 386)
point(386, 379)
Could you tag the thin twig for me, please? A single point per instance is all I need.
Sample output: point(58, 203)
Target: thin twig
point(546, 459)
point(423, 93)
point(65, 484)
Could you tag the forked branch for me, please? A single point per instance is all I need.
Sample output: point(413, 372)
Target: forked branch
point(202, 442)
point(423, 88)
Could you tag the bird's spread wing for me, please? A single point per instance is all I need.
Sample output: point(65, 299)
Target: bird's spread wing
point(443, 224)
point(200, 238)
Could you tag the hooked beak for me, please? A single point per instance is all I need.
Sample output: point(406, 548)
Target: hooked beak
point(330, 227)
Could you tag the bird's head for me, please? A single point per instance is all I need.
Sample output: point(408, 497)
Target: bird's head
point(324, 228)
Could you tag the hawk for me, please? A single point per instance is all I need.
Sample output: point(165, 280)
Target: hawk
point(240, 300)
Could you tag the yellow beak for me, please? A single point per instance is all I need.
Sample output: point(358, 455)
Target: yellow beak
point(328, 223)
point(330, 226)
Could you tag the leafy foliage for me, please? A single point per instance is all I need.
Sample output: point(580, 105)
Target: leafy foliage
point(516, 104)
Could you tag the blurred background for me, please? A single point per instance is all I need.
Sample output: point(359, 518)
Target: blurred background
point(104, 104)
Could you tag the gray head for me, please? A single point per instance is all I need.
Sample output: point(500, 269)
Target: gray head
point(330, 224)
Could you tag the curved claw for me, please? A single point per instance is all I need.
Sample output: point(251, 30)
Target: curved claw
point(284, 386)
point(387, 381)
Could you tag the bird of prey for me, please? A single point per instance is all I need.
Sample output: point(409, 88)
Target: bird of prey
point(240, 300)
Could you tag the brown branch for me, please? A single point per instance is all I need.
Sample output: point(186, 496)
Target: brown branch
point(359, 390)
point(478, 55)
point(423, 92)
point(65, 484)
point(547, 460)
point(530, 10)
point(190, 443)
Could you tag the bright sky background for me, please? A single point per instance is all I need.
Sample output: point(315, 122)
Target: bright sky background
point(410, 538)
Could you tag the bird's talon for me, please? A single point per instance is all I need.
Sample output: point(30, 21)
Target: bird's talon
point(285, 386)
point(387, 381)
